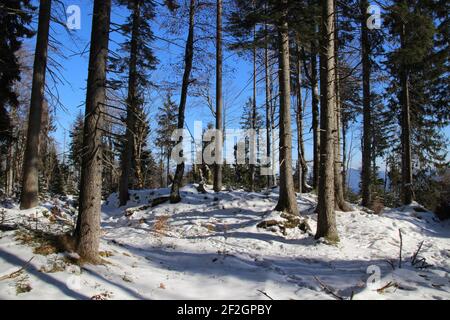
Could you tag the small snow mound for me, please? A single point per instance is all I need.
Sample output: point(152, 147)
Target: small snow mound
point(281, 222)
point(190, 188)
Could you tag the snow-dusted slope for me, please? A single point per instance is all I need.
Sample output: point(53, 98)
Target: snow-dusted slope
point(208, 247)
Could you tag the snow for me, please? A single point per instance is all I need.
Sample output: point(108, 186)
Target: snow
point(208, 247)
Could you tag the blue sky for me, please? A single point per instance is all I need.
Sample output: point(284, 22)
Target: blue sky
point(238, 71)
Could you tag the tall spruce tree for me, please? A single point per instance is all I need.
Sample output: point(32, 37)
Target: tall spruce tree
point(15, 20)
point(87, 230)
point(30, 182)
point(167, 123)
point(417, 65)
point(188, 59)
point(139, 61)
point(326, 220)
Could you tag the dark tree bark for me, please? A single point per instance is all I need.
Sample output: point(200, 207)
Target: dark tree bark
point(326, 220)
point(219, 101)
point(287, 201)
point(366, 183)
point(407, 178)
point(189, 55)
point(30, 181)
point(129, 145)
point(10, 168)
point(88, 224)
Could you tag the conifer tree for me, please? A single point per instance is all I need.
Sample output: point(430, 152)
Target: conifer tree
point(139, 61)
point(167, 123)
point(30, 182)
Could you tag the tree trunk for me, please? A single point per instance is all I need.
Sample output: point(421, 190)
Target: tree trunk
point(189, 55)
point(167, 168)
point(340, 202)
point(326, 220)
point(287, 201)
point(219, 102)
point(268, 107)
point(366, 183)
point(252, 141)
point(139, 141)
point(30, 182)
point(344, 159)
point(315, 117)
point(88, 224)
point(128, 148)
point(407, 178)
point(163, 184)
point(303, 167)
point(9, 174)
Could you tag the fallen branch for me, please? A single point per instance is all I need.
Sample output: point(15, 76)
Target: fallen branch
point(9, 227)
point(158, 201)
point(16, 273)
point(388, 285)
point(264, 293)
point(328, 290)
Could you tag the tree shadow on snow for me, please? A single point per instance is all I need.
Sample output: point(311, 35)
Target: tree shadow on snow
point(345, 277)
point(61, 286)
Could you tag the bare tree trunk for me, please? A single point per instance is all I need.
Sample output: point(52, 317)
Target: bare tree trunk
point(326, 220)
point(252, 157)
point(9, 174)
point(30, 182)
point(366, 183)
point(167, 168)
point(129, 145)
point(407, 178)
point(139, 141)
point(315, 117)
point(88, 224)
point(164, 177)
point(340, 202)
point(303, 167)
point(270, 178)
point(287, 201)
point(219, 102)
point(344, 159)
point(189, 55)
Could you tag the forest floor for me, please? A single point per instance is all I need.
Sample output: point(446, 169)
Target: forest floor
point(209, 247)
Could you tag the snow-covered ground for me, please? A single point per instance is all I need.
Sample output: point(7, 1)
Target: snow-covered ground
point(209, 247)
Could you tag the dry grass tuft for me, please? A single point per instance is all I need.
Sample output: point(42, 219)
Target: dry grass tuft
point(209, 226)
point(161, 225)
point(45, 243)
point(106, 254)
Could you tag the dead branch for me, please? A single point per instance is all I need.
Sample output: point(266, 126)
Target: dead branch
point(328, 290)
point(388, 285)
point(264, 293)
point(16, 273)
point(414, 257)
